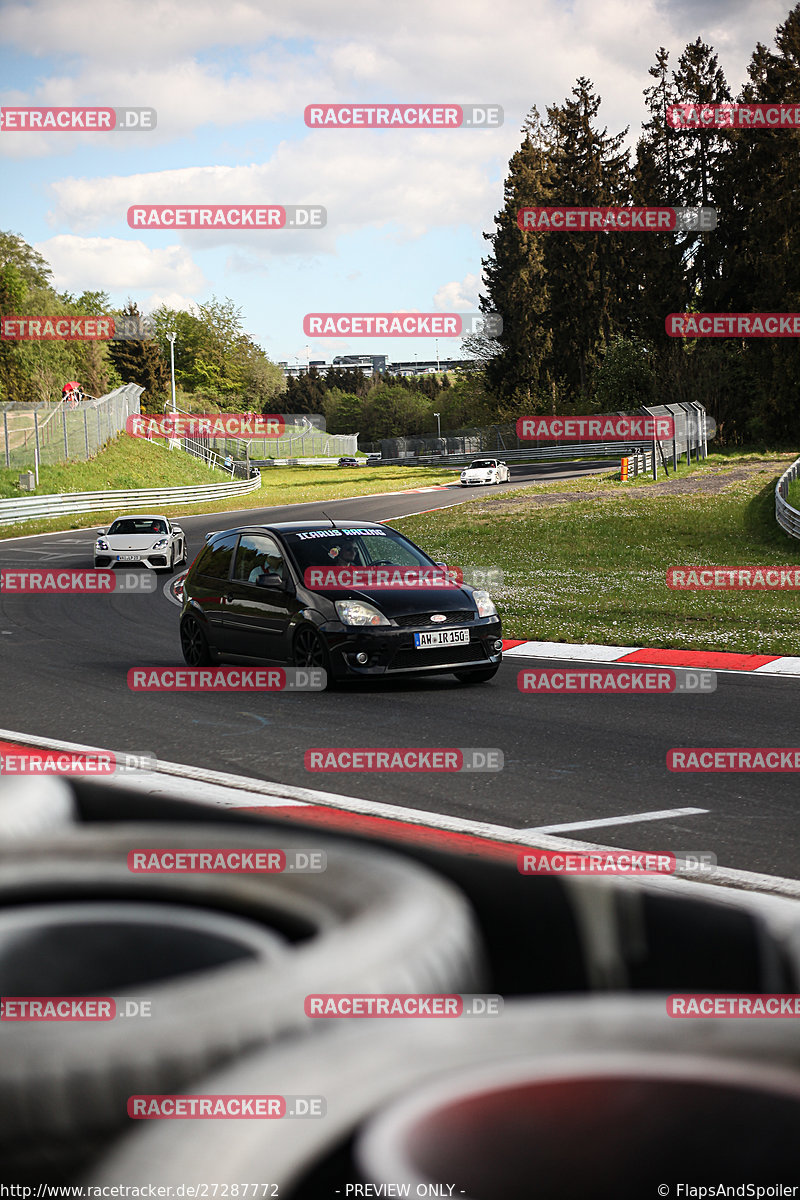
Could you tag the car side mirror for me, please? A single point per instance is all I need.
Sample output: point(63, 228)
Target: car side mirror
point(270, 579)
point(101, 532)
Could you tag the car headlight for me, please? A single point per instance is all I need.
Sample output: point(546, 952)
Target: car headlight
point(356, 612)
point(102, 544)
point(485, 604)
point(161, 544)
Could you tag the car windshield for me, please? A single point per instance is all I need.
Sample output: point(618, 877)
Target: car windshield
point(482, 463)
point(353, 547)
point(140, 526)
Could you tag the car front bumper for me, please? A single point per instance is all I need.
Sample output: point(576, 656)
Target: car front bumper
point(391, 651)
point(150, 559)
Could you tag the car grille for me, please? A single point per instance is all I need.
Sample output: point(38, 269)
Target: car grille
point(441, 656)
point(460, 616)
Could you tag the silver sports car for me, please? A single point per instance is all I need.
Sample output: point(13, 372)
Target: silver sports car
point(151, 541)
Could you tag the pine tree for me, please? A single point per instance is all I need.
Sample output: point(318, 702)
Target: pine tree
point(514, 275)
point(587, 273)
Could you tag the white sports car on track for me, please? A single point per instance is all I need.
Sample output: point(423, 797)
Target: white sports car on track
point(485, 470)
point(149, 541)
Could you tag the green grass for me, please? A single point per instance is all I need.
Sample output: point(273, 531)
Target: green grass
point(130, 462)
point(584, 571)
point(126, 462)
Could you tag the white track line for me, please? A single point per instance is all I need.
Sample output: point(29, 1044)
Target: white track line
point(255, 793)
point(631, 819)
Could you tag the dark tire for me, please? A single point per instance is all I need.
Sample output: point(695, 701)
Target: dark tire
point(369, 921)
point(309, 650)
point(477, 674)
point(194, 644)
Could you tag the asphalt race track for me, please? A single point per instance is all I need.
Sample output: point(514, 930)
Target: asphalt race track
point(569, 759)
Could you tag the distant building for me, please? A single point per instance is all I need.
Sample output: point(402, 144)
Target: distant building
point(370, 364)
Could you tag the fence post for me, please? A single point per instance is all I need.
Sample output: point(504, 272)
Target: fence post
point(5, 437)
point(66, 443)
point(674, 442)
point(655, 460)
point(86, 432)
point(99, 436)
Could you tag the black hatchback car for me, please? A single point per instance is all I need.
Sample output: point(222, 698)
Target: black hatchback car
point(247, 595)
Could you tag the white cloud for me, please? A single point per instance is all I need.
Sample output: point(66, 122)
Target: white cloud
point(459, 296)
point(123, 267)
point(288, 54)
point(455, 189)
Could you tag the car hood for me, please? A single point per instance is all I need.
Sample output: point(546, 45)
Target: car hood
point(479, 470)
point(402, 602)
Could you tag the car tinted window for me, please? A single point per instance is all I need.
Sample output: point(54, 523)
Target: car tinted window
point(483, 462)
point(137, 525)
point(340, 547)
point(215, 560)
point(257, 555)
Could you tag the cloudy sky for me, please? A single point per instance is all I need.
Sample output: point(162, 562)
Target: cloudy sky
point(230, 82)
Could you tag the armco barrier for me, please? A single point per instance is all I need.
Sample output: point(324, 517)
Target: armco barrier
point(787, 517)
point(69, 503)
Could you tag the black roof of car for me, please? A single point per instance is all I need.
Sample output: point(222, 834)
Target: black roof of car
point(300, 526)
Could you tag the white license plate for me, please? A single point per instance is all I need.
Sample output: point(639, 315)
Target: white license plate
point(127, 558)
point(442, 637)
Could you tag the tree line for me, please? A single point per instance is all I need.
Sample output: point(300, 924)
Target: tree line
point(584, 312)
point(217, 364)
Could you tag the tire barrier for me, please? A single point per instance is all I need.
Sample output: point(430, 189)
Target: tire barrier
point(636, 934)
point(570, 1124)
point(369, 922)
point(360, 1071)
point(585, 966)
point(31, 807)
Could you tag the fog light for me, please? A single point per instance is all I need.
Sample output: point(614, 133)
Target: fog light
point(498, 644)
point(361, 657)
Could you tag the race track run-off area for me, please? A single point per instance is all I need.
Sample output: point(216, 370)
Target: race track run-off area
point(578, 770)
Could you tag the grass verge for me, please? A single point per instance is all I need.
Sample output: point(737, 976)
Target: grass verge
point(130, 462)
point(585, 560)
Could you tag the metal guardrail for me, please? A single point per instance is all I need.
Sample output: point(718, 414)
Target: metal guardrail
point(69, 503)
point(787, 517)
point(578, 450)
